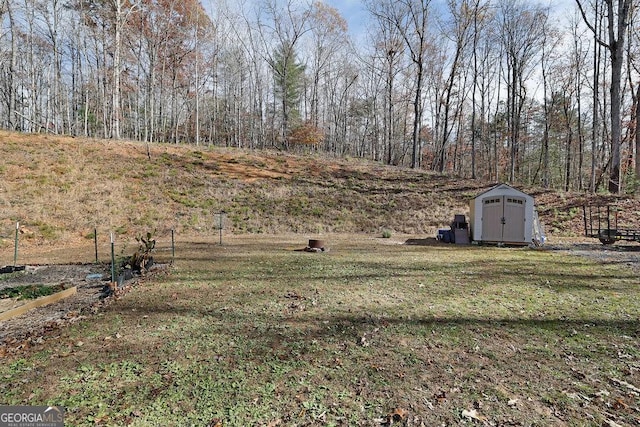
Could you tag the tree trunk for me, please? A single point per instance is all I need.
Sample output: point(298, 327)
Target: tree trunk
point(417, 111)
point(117, 47)
point(637, 148)
point(595, 125)
point(617, 27)
point(616, 124)
point(389, 121)
point(11, 124)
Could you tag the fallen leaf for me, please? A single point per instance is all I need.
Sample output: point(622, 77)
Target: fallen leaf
point(442, 396)
point(473, 414)
point(398, 415)
point(619, 404)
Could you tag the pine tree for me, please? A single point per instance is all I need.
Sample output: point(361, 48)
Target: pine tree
point(288, 84)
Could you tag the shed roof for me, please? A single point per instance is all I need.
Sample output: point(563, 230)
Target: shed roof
point(502, 187)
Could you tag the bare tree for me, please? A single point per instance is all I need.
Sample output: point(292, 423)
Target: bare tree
point(389, 48)
point(487, 53)
point(52, 15)
point(633, 70)
point(479, 15)
point(522, 30)
point(550, 64)
point(411, 18)
point(329, 32)
point(637, 131)
point(247, 35)
point(122, 10)
point(286, 24)
point(9, 68)
point(460, 28)
point(617, 22)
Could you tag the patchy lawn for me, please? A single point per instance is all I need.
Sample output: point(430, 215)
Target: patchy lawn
point(371, 332)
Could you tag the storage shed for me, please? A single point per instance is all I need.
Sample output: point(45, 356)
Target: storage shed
point(503, 215)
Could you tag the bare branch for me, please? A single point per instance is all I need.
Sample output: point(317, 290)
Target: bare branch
point(590, 26)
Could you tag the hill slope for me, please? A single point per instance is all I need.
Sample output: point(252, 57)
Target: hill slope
point(61, 188)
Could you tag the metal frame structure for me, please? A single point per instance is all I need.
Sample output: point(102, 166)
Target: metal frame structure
point(606, 227)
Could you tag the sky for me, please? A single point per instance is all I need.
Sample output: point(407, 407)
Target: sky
point(357, 17)
point(353, 11)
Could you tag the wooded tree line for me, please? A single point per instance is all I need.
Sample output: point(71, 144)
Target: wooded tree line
point(499, 90)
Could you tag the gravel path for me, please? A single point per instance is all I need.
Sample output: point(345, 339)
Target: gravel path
point(623, 253)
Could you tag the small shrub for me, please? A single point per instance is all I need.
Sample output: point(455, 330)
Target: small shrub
point(386, 233)
point(142, 259)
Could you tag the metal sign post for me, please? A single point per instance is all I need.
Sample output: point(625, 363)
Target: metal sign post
point(218, 220)
point(95, 242)
point(15, 245)
point(173, 245)
point(113, 260)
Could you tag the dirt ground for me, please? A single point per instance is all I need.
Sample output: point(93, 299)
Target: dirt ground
point(40, 324)
point(622, 253)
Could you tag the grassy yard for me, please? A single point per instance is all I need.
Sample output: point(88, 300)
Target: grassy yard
point(369, 333)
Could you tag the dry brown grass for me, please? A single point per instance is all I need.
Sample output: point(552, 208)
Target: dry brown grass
point(60, 188)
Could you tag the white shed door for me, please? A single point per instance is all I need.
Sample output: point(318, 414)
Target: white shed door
point(503, 219)
point(513, 230)
point(492, 213)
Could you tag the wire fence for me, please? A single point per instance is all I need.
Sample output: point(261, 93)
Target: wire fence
point(98, 247)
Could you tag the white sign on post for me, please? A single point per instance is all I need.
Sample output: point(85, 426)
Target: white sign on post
point(218, 222)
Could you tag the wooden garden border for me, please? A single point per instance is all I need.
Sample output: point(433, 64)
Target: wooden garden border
point(39, 302)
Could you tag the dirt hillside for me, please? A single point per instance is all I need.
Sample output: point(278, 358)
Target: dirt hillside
point(61, 188)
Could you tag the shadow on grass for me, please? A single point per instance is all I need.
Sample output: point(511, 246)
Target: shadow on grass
point(560, 274)
point(316, 325)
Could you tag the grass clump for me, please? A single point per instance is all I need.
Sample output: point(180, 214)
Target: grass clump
point(26, 292)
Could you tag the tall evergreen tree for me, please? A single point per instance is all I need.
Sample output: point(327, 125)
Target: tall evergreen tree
point(288, 76)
